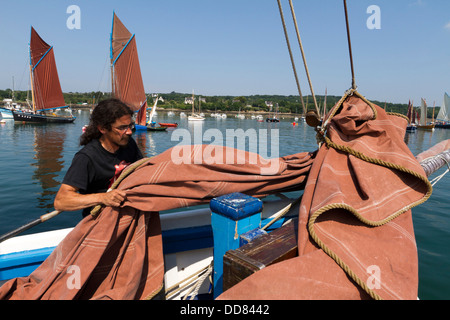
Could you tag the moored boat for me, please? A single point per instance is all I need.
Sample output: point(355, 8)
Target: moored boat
point(423, 125)
point(46, 91)
point(195, 116)
point(6, 113)
point(274, 117)
point(411, 115)
point(168, 125)
point(442, 120)
point(155, 128)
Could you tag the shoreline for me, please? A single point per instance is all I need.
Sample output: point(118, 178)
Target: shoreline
point(175, 110)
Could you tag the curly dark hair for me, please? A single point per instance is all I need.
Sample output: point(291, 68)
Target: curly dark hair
point(104, 115)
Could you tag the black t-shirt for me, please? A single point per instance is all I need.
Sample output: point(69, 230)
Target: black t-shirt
point(94, 169)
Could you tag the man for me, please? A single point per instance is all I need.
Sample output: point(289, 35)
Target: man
point(108, 149)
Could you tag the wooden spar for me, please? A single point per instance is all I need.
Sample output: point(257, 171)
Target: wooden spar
point(349, 46)
point(434, 163)
point(29, 225)
point(435, 158)
point(32, 89)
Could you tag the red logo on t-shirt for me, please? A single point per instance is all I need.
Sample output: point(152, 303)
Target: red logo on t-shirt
point(119, 168)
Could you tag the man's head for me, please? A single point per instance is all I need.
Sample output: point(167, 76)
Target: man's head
point(112, 119)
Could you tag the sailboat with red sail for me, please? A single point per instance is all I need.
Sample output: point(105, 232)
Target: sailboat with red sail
point(46, 91)
point(126, 77)
point(412, 118)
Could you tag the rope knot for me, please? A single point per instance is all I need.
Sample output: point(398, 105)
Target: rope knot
point(320, 136)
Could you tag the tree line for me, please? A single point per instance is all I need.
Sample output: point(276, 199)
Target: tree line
point(252, 103)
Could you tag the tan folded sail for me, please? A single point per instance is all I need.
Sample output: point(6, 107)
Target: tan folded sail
point(356, 236)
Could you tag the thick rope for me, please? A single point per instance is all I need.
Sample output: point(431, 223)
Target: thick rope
point(193, 292)
point(201, 274)
point(398, 115)
point(330, 144)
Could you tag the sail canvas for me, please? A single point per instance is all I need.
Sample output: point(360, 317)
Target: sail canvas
point(45, 80)
point(444, 111)
point(423, 113)
point(127, 78)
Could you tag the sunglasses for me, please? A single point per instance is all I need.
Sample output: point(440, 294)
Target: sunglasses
point(124, 128)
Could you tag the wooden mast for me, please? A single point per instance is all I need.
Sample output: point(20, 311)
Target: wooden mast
point(32, 85)
point(112, 58)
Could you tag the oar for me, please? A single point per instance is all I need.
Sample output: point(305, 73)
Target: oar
point(29, 225)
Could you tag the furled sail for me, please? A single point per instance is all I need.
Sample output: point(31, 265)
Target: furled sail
point(45, 81)
point(410, 112)
point(126, 71)
point(444, 111)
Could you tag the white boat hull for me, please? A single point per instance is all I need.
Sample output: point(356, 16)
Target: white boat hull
point(6, 114)
point(196, 118)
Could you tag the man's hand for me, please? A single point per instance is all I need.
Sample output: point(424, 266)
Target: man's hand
point(113, 198)
point(68, 199)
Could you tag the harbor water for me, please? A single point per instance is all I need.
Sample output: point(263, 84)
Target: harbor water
point(34, 159)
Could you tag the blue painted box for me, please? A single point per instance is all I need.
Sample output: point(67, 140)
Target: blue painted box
point(232, 215)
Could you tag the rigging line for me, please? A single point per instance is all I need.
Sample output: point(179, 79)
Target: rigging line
point(292, 58)
point(349, 46)
point(101, 82)
point(303, 55)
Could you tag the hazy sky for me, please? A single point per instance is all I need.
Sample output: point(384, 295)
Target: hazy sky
point(237, 47)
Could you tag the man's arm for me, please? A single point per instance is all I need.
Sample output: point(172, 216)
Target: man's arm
point(68, 199)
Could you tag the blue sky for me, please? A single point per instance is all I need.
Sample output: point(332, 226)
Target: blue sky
point(237, 47)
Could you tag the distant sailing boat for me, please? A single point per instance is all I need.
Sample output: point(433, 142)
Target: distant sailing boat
point(162, 124)
point(195, 116)
point(423, 117)
point(46, 90)
point(151, 125)
point(274, 117)
point(442, 120)
point(412, 118)
point(126, 77)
